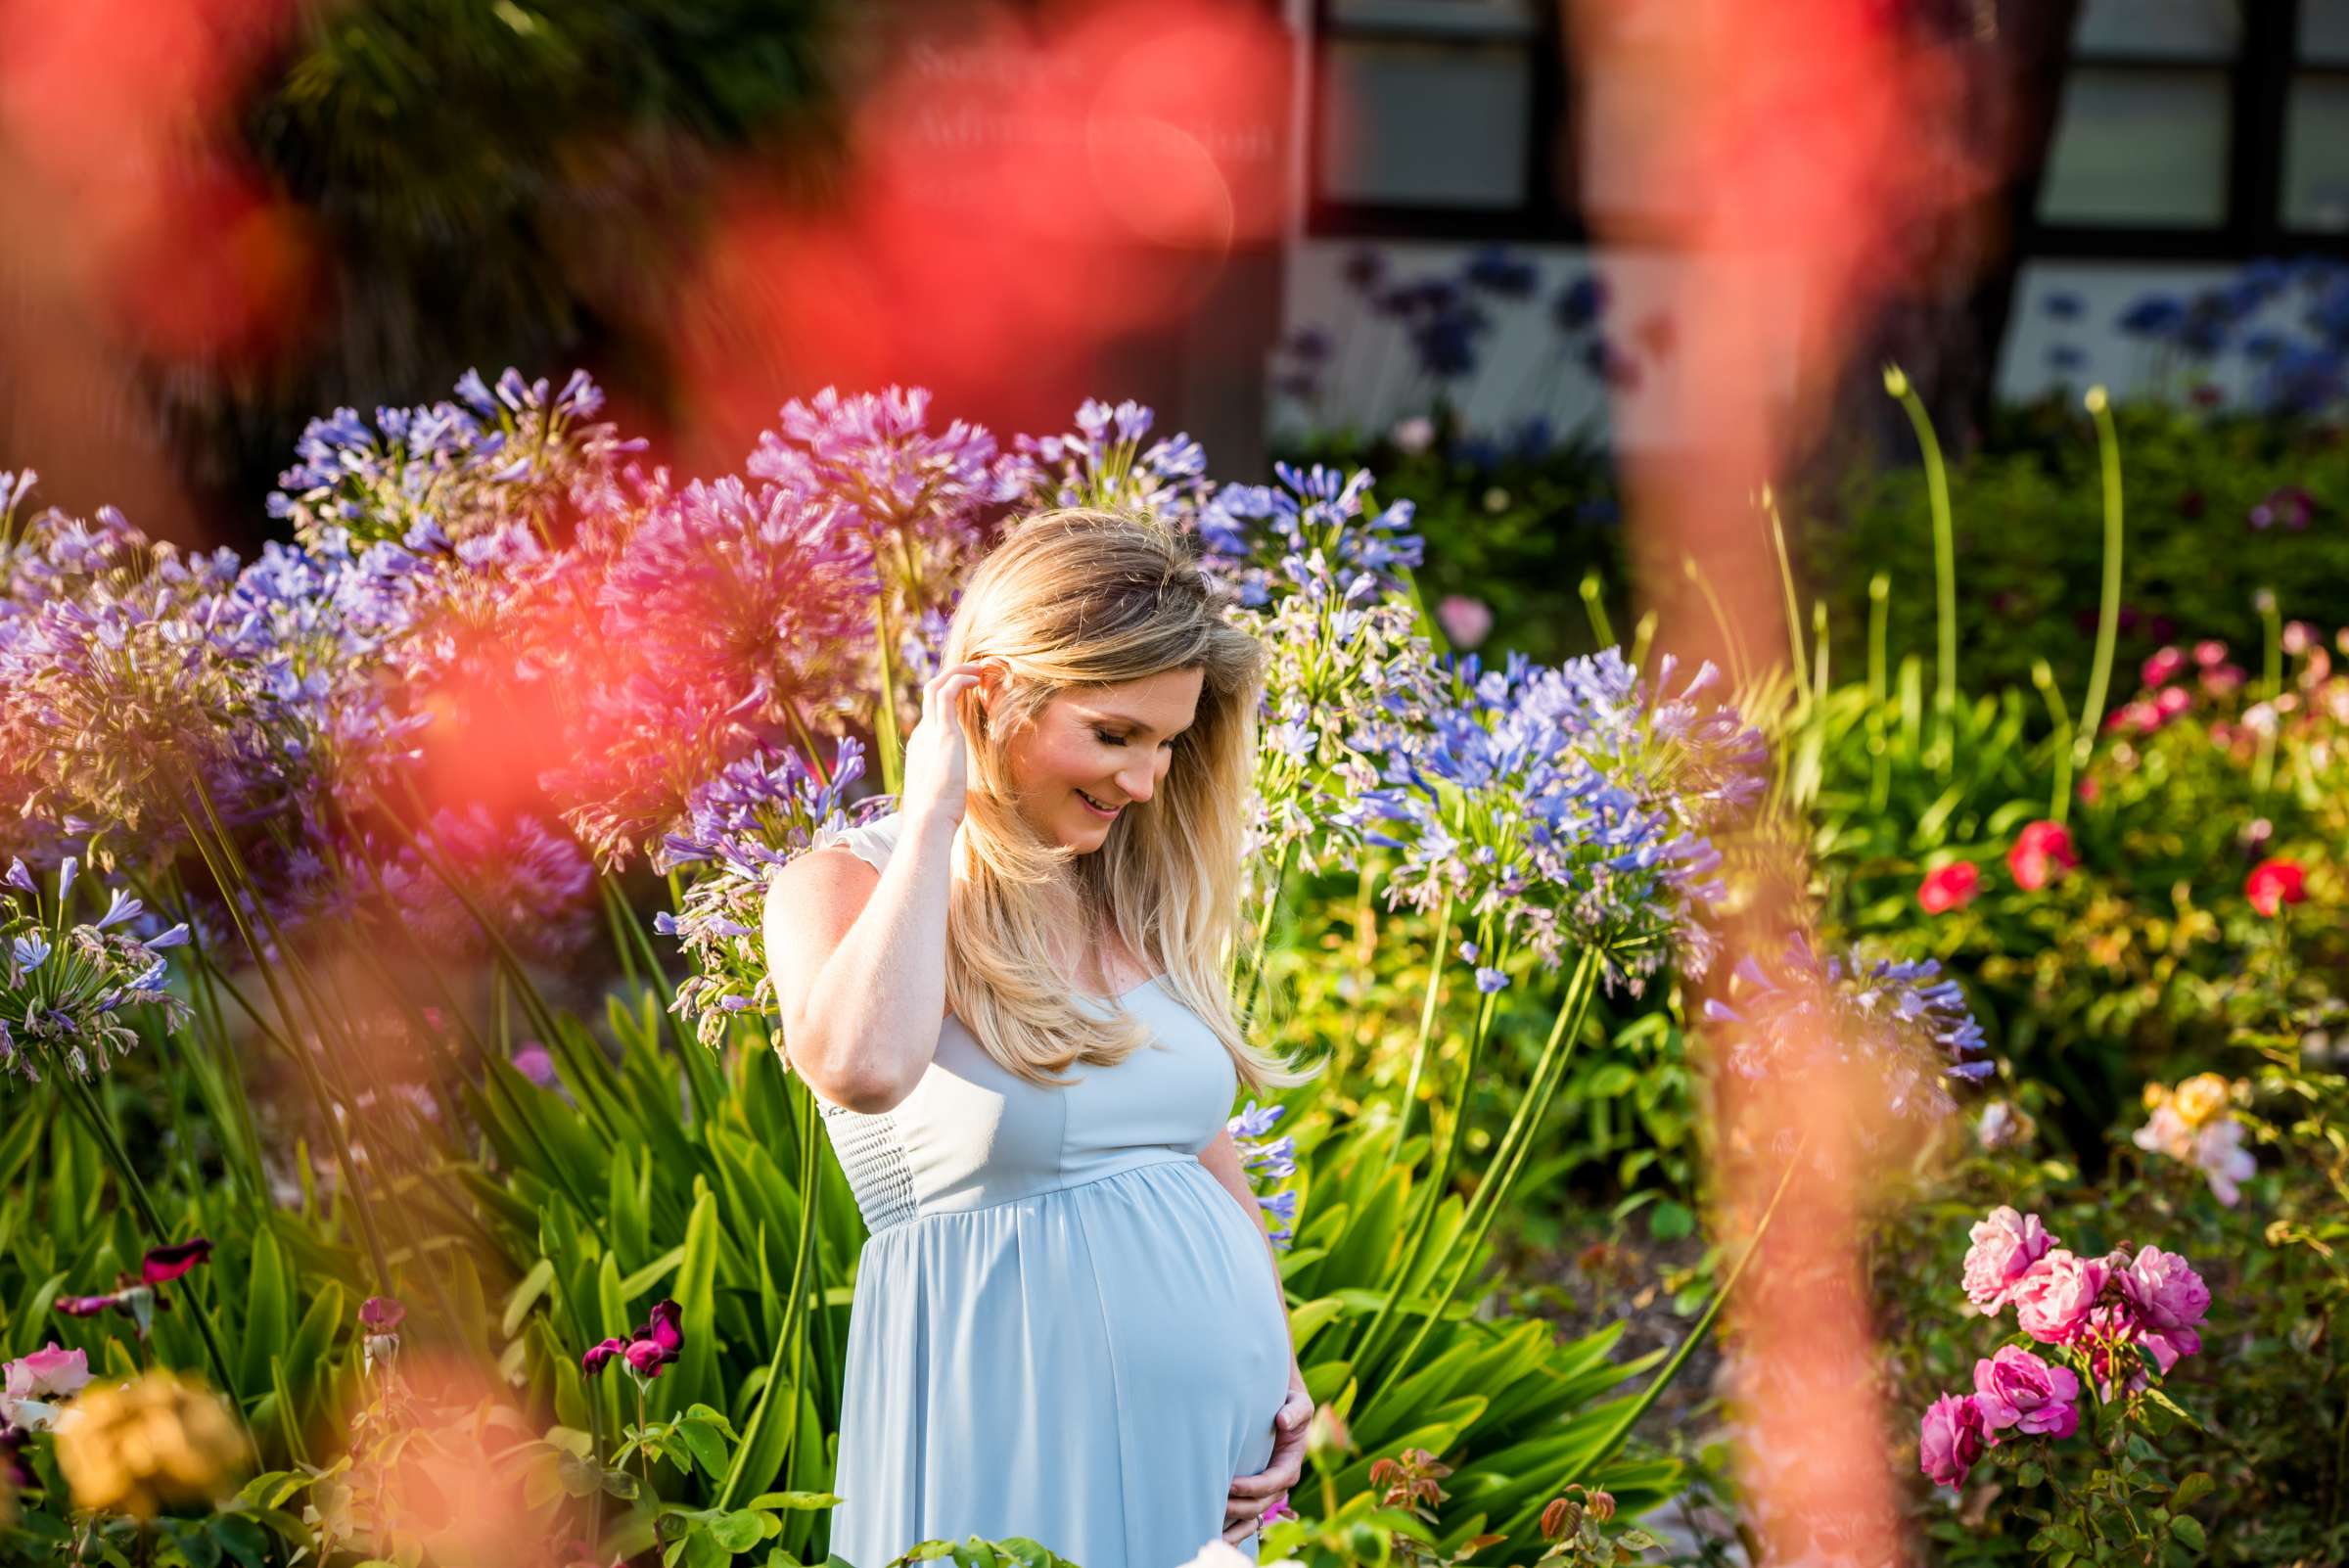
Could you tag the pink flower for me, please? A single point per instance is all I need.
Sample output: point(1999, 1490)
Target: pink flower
point(2004, 1247)
point(1951, 1438)
point(1952, 887)
point(2220, 679)
point(2219, 1154)
point(666, 1330)
point(2163, 668)
point(2039, 853)
point(84, 1305)
point(380, 1315)
point(48, 1374)
point(2111, 1340)
point(1466, 622)
point(599, 1354)
point(1278, 1509)
point(2168, 1299)
point(2174, 699)
point(644, 1358)
point(2055, 1295)
point(2016, 1389)
point(2274, 883)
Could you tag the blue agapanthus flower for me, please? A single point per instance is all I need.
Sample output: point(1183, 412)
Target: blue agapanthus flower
point(68, 984)
point(1798, 1010)
point(1574, 806)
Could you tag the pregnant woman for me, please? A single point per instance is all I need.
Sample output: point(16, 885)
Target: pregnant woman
point(1007, 996)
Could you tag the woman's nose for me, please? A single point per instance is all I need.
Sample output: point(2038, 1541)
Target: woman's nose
point(1138, 783)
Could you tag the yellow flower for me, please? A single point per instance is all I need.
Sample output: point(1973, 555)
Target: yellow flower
point(154, 1442)
point(2201, 1097)
point(2155, 1094)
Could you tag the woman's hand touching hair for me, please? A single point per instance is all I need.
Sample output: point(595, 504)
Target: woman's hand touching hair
point(938, 752)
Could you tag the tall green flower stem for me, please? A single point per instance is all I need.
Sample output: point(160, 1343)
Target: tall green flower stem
point(220, 859)
point(885, 711)
point(1263, 933)
point(1794, 612)
point(1594, 605)
point(2108, 607)
point(1427, 1023)
point(2271, 626)
point(1880, 616)
point(2060, 716)
point(791, 1335)
point(1622, 1428)
point(1509, 1158)
point(1944, 563)
point(84, 1102)
point(1448, 1146)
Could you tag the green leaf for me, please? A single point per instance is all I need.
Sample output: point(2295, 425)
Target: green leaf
point(652, 1274)
point(738, 1531)
point(1670, 1221)
point(526, 1296)
point(708, 1445)
point(267, 1320)
point(2192, 1490)
point(810, 1501)
point(2188, 1531)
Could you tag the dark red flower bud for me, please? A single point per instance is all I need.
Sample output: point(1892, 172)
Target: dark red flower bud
point(598, 1355)
point(162, 1264)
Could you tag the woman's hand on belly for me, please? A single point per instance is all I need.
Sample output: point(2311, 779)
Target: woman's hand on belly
point(1252, 1495)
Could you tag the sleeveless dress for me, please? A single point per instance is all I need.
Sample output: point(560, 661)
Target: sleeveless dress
point(1062, 1326)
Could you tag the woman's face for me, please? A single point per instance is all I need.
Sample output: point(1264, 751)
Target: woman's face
point(1100, 744)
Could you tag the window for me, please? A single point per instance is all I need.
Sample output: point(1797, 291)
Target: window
point(2201, 129)
point(1437, 118)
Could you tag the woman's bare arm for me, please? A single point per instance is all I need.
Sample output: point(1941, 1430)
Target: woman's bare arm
point(859, 964)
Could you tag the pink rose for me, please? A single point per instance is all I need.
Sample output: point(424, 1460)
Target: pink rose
point(2006, 1245)
point(2016, 1389)
point(2173, 700)
point(2055, 1295)
point(1951, 1438)
point(2163, 668)
point(48, 1374)
point(2210, 652)
point(2168, 1299)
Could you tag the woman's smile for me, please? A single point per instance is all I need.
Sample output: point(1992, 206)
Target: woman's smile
point(1096, 807)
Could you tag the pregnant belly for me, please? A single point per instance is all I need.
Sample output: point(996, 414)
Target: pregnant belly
point(1189, 1293)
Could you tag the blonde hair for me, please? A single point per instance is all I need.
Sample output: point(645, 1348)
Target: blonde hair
point(1081, 598)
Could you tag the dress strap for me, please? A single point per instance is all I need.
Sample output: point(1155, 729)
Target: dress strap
point(871, 843)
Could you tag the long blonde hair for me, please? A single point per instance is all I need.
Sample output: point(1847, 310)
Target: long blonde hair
point(1083, 598)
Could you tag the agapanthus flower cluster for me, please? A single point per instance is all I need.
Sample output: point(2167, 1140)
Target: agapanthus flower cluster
point(646, 1352)
point(1102, 463)
point(2195, 1124)
point(1575, 805)
point(732, 611)
point(741, 827)
point(1899, 1021)
point(494, 457)
point(69, 985)
point(1261, 538)
point(119, 693)
point(1350, 679)
point(1264, 1157)
point(2116, 1319)
point(872, 455)
point(528, 880)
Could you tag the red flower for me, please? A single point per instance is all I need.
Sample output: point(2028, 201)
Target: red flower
point(2273, 884)
point(1952, 887)
point(598, 1355)
point(84, 1305)
point(2040, 853)
point(380, 1315)
point(2163, 668)
point(162, 1264)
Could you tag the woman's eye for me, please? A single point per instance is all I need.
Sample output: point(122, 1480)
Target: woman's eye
point(1107, 739)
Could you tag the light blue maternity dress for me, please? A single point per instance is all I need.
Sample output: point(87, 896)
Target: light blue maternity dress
point(1062, 1326)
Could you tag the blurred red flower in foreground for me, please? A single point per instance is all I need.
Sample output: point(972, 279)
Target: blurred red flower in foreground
point(2274, 883)
point(2041, 853)
point(1952, 887)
